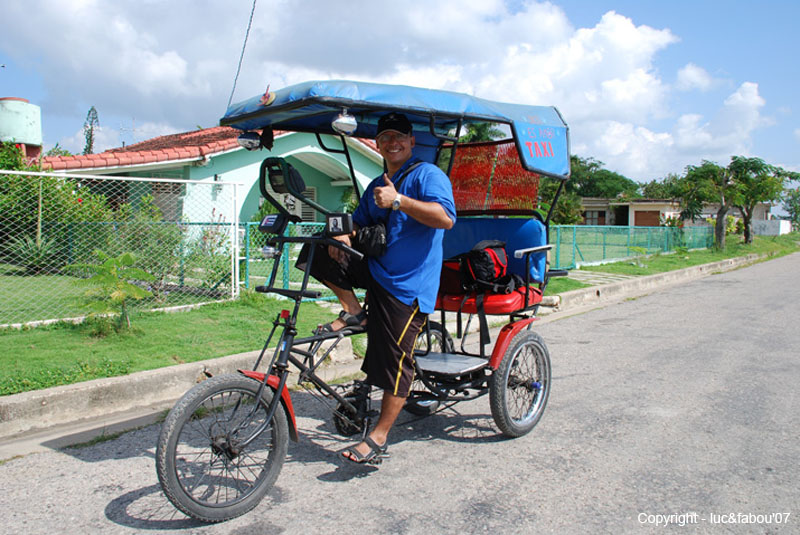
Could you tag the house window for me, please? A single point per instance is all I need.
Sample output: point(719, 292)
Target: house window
point(167, 196)
point(592, 217)
point(296, 207)
point(306, 212)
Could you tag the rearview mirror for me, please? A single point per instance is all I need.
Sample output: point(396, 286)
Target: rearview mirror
point(344, 123)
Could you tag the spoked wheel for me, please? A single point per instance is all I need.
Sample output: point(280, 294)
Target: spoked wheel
point(519, 388)
point(205, 466)
point(419, 400)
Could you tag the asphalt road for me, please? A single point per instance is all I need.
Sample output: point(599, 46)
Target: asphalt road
point(680, 407)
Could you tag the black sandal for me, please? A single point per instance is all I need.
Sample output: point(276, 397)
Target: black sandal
point(350, 320)
point(375, 455)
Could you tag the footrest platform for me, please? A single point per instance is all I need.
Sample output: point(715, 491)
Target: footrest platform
point(450, 364)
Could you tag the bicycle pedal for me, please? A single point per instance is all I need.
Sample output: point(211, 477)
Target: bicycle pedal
point(378, 459)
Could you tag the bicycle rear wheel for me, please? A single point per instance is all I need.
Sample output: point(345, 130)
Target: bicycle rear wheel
point(203, 467)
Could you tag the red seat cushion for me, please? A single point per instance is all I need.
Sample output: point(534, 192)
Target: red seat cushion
point(498, 304)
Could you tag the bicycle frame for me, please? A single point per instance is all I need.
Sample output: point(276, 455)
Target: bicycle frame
point(210, 472)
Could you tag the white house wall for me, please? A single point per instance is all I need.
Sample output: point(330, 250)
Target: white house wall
point(242, 166)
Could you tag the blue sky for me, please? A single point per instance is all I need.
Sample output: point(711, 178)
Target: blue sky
point(647, 87)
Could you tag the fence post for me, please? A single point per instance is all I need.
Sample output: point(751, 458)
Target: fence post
point(235, 248)
point(292, 231)
point(574, 244)
point(605, 233)
point(558, 247)
point(628, 246)
point(247, 256)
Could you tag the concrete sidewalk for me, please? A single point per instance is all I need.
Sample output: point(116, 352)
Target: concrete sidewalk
point(74, 414)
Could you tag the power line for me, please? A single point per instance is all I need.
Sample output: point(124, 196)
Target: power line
point(239, 68)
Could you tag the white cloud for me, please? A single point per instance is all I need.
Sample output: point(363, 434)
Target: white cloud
point(171, 66)
point(643, 154)
point(104, 138)
point(797, 134)
point(693, 77)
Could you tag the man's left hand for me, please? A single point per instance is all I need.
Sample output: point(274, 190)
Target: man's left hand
point(384, 195)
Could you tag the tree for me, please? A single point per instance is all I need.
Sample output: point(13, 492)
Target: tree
point(791, 203)
point(481, 132)
point(756, 182)
point(705, 183)
point(588, 178)
point(58, 150)
point(11, 157)
point(89, 125)
point(568, 209)
point(667, 188)
point(111, 285)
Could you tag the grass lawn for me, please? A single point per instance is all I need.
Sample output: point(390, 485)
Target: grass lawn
point(763, 245)
point(64, 353)
point(28, 298)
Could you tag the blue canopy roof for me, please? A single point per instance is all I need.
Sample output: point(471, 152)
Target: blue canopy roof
point(540, 133)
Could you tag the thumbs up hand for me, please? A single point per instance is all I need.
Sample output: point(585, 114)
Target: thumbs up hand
point(384, 195)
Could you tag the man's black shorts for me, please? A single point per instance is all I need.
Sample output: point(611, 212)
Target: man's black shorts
point(392, 330)
point(392, 326)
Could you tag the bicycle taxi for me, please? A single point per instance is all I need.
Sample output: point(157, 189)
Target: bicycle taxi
point(222, 446)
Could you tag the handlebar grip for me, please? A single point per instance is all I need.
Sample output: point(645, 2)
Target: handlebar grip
point(351, 251)
point(339, 245)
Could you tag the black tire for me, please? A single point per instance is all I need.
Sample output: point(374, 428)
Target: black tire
point(441, 341)
point(519, 388)
point(419, 402)
point(199, 468)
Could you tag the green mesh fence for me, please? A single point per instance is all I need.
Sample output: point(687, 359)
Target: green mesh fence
point(57, 231)
point(585, 244)
point(255, 267)
point(572, 245)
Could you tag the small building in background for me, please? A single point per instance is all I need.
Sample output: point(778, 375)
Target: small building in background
point(21, 124)
point(654, 212)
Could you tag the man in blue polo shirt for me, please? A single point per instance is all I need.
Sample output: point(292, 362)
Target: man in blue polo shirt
point(401, 284)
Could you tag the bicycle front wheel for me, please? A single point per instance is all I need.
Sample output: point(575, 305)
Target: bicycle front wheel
point(205, 464)
point(519, 388)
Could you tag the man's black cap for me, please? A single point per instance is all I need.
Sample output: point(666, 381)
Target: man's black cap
point(394, 121)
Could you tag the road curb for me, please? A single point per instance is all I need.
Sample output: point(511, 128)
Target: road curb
point(62, 405)
point(94, 404)
point(643, 285)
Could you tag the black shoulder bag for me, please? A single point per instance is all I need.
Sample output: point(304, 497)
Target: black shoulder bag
point(371, 240)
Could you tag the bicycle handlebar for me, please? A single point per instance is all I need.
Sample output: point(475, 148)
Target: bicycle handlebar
point(316, 239)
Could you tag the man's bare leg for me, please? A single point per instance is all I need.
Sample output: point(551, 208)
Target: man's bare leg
point(348, 300)
point(391, 406)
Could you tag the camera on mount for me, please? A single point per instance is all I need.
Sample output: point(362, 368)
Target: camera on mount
point(338, 224)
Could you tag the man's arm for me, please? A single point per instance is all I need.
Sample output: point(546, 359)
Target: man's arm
point(431, 214)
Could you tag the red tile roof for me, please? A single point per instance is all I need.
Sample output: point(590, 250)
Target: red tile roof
point(187, 145)
point(194, 144)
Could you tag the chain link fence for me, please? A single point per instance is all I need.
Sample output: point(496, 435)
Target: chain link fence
point(572, 245)
point(256, 264)
point(586, 244)
point(58, 231)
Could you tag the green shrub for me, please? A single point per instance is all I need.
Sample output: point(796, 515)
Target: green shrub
point(35, 257)
point(111, 285)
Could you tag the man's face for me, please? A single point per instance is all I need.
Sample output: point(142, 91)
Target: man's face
point(395, 147)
